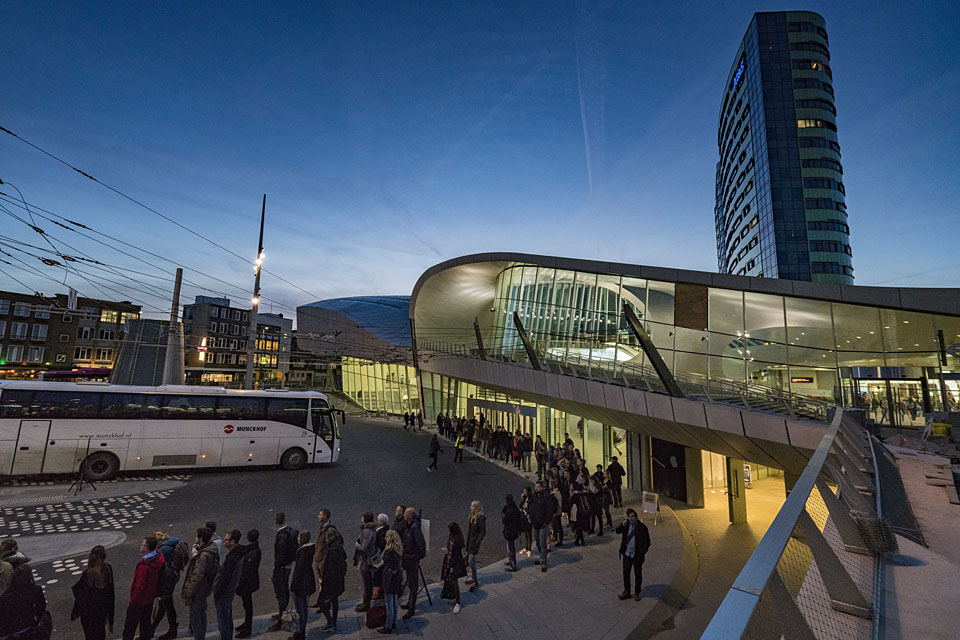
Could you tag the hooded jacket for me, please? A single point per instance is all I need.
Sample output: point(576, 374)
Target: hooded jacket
point(146, 577)
point(250, 569)
point(201, 572)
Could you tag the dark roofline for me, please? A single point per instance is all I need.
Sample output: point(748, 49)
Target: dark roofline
point(922, 299)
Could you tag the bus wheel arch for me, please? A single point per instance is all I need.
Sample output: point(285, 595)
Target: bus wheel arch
point(293, 458)
point(100, 466)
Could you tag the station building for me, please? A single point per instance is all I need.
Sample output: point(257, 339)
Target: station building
point(545, 345)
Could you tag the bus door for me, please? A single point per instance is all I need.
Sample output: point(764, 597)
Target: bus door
point(31, 446)
point(323, 429)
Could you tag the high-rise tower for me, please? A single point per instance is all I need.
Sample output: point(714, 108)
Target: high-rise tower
point(780, 210)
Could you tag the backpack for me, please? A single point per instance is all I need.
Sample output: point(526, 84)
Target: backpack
point(181, 555)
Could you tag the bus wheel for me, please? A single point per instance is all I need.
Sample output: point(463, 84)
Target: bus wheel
point(101, 466)
point(293, 459)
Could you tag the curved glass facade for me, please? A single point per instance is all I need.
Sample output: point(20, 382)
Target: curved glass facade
point(833, 351)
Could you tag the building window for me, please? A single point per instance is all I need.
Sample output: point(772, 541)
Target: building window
point(214, 312)
point(233, 345)
point(242, 358)
point(223, 327)
point(67, 318)
point(3, 327)
point(14, 353)
point(128, 316)
point(187, 328)
point(4, 307)
point(810, 46)
point(221, 343)
point(38, 332)
point(21, 309)
point(106, 334)
point(61, 357)
point(817, 103)
point(64, 337)
point(815, 123)
point(220, 358)
point(104, 355)
point(828, 225)
point(35, 355)
point(212, 326)
point(822, 163)
point(235, 329)
point(18, 330)
point(188, 313)
point(106, 315)
point(81, 353)
point(84, 333)
point(808, 27)
point(42, 313)
point(236, 314)
point(88, 313)
point(245, 316)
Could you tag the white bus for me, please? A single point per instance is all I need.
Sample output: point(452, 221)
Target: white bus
point(63, 427)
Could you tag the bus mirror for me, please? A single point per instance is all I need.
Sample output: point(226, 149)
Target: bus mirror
point(343, 416)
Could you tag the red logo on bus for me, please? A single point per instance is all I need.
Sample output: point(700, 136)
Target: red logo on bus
point(228, 428)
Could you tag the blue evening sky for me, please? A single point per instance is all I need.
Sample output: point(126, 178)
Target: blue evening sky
point(389, 136)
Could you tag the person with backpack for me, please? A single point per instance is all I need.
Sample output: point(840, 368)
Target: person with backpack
point(414, 550)
point(364, 556)
point(226, 583)
point(94, 598)
point(249, 581)
point(284, 555)
point(303, 584)
point(176, 554)
point(143, 591)
point(198, 581)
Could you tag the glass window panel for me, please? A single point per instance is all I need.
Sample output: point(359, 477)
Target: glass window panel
point(247, 408)
point(810, 357)
point(15, 403)
point(726, 311)
point(691, 364)
point(856, 327)
point(188, 407)
point(727, 369)
point(763, 317)
point(951, 337)
point(633, 291)
point(908, 331)
point(660, 302)
point(65, 404)
point(809, 323)
point(123, 405)
point(914, 359)
point(289, 410)
point(767, 375)
point(821, 384)
point(859, 359)
point(692, 341)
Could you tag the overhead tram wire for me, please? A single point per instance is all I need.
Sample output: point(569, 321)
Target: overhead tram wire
point(150, 209)
point(6, 198)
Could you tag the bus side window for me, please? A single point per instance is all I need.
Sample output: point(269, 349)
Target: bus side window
point(240, 408)
point(290, 410)
point(66, 404)
point(121, 405)
point(15, 404)
point(188, 407)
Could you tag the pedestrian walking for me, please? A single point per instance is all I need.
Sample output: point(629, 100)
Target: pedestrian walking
point(616, 471)
point(198, 581)
point(176, 554)
point(435, 451)
point(476, 530)
point(143, 591)
point(420, 421)
point(392, 579)
point(249, 581)
point(406, 420)
point(93, 596)
point(414, 550)
point(303, 584)
point(284, 555)
point(453, 567)
point(458, 445)
point(24, 607)
point(634, 543)
point(365, 550)
point(226, 583)
point(510, 517)
point(595, 495)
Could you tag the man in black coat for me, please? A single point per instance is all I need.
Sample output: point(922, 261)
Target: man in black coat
point(616, 471)
point(634, 542)
point(541, 510)
point(284, 554)
point(510, 516)
point(249, 581)
point(414, 550)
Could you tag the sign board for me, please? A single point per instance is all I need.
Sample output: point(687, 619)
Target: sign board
point(746, 474)
point(425, 529)
point(650, 503)
point(803, 379)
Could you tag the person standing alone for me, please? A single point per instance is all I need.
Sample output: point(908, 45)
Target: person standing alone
point(434, 452)
point(476, 530)
point(94, 596)
point(634, 543)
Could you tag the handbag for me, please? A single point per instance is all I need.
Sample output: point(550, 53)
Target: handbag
point(449, 591)
point(377, 560)
point(376, 616)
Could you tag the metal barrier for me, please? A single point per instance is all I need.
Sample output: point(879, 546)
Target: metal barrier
point(709, 389)
point(814, 574)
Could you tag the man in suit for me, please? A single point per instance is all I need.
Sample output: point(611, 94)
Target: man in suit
point(634, 542)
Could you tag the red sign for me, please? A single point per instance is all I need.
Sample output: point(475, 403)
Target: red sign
point(228, 429)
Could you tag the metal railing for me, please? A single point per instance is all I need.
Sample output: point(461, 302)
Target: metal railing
point(638, 376)
point(814, 573)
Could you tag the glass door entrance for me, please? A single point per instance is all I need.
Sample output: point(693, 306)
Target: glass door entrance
point(894, 403)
